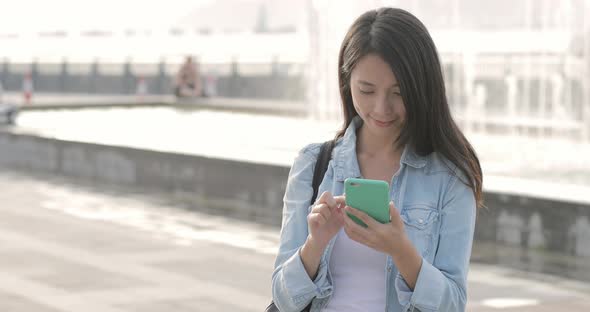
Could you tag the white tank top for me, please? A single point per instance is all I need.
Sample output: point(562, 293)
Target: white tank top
point(358, 276)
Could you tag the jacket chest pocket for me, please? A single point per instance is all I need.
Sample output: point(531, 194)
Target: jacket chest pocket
point(420, 224)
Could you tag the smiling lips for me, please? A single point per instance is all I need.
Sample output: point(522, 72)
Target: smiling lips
point(383, 124)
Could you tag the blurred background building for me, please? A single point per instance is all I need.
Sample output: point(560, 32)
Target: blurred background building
point(504, 58)
point(518, 68)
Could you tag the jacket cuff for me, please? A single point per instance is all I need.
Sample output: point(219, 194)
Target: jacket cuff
point(428, 293)
point(300, 284)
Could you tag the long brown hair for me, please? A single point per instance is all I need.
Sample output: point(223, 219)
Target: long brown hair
point(402, 41)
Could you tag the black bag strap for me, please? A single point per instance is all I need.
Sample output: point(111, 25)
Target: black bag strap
point(321, 166)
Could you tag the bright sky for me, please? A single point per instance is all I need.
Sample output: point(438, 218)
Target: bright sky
point(23, 16)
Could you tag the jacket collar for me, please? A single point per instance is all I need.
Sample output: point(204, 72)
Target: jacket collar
point(345, 158)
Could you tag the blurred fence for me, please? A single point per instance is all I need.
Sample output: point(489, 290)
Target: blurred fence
point(273, 80)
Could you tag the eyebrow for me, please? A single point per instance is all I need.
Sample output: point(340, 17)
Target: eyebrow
point(366, 83)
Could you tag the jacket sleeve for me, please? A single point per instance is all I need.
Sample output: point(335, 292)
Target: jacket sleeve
point(292, 288)
point(441, 285)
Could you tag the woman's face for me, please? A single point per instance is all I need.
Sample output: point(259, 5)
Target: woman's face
point(376, 96)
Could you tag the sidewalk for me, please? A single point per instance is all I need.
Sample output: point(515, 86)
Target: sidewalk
point(42, 101)
point(74, 100)
point(73, 247)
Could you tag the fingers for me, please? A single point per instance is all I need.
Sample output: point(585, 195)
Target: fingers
point(316, 218)
point(322, 209)
point(355, 231)
point(325, 198)
point(368, 220)
point(340, 201)
point(332, 201)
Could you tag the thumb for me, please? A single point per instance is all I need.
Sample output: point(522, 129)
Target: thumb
point(393, 213)
point(340, 201)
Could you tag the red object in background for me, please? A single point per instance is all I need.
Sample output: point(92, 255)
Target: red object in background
point(28, 88)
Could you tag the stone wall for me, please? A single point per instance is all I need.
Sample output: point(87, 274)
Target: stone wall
point(255, 191)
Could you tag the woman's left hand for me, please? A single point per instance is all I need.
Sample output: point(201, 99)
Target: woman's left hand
point(387, 238)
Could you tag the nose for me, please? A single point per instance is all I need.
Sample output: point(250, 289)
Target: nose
point(383, 106)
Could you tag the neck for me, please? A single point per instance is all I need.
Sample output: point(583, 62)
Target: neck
point(374, 146)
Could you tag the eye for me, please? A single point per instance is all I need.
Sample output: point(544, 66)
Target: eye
point(397, 93)
point(366, 92)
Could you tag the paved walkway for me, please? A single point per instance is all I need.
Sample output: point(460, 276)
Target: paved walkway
point(78, 100)
point(67, 247)
point(44, 101)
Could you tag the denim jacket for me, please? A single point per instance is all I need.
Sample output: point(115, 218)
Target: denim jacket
point(438, 211)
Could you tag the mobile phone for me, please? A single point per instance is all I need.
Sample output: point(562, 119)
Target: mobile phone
point(369, 196)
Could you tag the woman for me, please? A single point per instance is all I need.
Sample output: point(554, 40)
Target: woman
point(398, 128)
point(188, 82)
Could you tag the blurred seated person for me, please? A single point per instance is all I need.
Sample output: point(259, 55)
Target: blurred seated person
point(188, 81)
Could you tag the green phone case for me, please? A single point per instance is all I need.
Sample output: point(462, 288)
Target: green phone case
point(370, 196)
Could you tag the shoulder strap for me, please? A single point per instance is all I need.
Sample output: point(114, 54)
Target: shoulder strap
point(321, 166)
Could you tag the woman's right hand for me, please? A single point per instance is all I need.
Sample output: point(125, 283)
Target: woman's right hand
point(325, 219)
